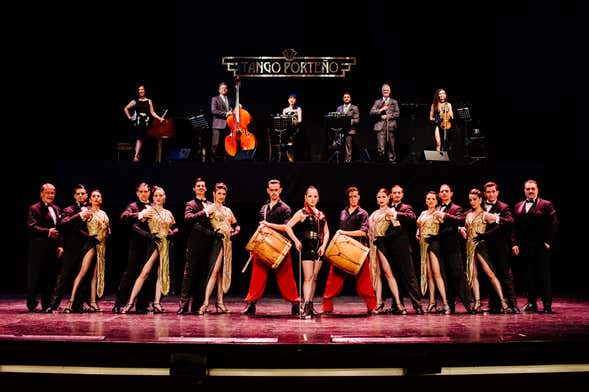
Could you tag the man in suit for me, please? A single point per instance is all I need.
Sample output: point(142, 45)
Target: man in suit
point(139, 212)
point(199, 245)
point(44, 248)
point(451, 217)
point(399, 248)
point(74, 231)
point(497, 235)
point(353, 112)
point(534, 229)
point(386, 111)
point(221, 107)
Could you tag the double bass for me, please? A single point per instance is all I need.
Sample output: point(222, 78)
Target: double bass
point(240, 138)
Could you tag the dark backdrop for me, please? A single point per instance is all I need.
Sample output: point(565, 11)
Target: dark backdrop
point(74, 67)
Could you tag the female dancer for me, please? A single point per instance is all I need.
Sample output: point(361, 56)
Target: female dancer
point(431, 275)
point(94, 253)
point(224, 222)
point(162, 227)
point(378, 223)
point(312, 247)
point(474, 234)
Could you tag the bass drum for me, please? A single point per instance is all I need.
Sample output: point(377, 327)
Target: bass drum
point(269, 246)
point(346, 253)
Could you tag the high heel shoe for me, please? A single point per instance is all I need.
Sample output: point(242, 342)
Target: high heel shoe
point(221, 308)
point(446, 309)
point(127, 308)
point(399, 309)
point(477, 306)
point(94, 307)
point(379, 308)
point(157, 308)
point(203, 309)
point(432, 308)
point(69, 307)
point(504, 307)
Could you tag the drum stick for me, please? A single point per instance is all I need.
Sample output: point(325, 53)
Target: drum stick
point(247, 263)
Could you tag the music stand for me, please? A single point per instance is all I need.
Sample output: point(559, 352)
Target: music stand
point(281, 123)
point(199, 124)
point(337, 125)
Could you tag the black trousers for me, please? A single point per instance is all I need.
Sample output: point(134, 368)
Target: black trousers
point(536, 259)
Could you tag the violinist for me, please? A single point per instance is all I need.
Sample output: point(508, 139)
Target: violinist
point(295, 111)
point(221, 108)
point(441, 114)
point(385, 111)
point(143, 113)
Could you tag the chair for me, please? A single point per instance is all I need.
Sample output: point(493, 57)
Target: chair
point(125, 148)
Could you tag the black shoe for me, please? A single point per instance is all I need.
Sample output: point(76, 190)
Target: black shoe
point(295, 309)
point(531, 307)
point(250, 309)
point(418, 310)
point(141, 310)
point(48, 310)
point(182, 310)
point(514, 309)
point(31, 306)
point(116, 309)
point(547, 307)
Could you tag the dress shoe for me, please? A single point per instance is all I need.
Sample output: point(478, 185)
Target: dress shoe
point(295, 309)
point(48, 310)
point(514, 309)
point(418, 310)
point(116, 309)
point(547, 307)
point(141, 310)
point(531, 307)
point(182, 310)
point(250, 309)
point(31, 306)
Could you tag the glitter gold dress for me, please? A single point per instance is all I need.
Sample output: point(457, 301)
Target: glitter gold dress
point(98, 226)
point(160, 224)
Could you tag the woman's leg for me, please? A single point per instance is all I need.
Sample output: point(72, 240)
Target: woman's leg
point(437, 137)
point(431, 287)
point(138, 145)
point(86, 263)
point(390, 277)
point(476, 287)
point(213, 280)
point(308, 271)
point(93, 304)
point(435, 268)
point(142, 277)
point(316, 268)
point(492, 277)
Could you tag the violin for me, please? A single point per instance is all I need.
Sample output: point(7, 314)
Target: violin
point(442, 118)
point(240, 138)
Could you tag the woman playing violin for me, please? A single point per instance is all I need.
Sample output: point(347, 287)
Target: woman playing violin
point(441, 114)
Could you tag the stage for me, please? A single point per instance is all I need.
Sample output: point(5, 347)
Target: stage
point(273, 345)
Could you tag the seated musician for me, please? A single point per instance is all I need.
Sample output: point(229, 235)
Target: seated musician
point(295, 111)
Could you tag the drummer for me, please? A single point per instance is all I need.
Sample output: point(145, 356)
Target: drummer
point(278, 212)
point(353, 222)
point(312, 247)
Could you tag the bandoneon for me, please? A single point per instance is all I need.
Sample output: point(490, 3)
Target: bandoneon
point(269, 246)
point(346, 253)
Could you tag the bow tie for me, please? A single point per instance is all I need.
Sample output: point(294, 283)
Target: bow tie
point(488, 203)
point(201, 200)
point(444, 206)
point(530, 201)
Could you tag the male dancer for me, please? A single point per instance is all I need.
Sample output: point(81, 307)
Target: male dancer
point(275, 211)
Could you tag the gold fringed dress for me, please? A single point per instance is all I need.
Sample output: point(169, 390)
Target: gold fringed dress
point(221, 220)
point(98, 226)
point(427, 225)
point(378, 223)
point(160, 223)
point(474, 224)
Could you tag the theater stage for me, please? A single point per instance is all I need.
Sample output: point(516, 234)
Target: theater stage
point(275, 345)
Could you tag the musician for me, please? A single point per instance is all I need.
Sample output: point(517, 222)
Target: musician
point(45, 248)
point(93, 254)
point(534, 229)
point(293, 110)
point(353, 112)
point(162, 227)
point(312, 247)
point(385, 111)
point(275, 211)
point(141, 118)
point(441, 110)
point(399, 247)
point(354, 223)
point(221, 108)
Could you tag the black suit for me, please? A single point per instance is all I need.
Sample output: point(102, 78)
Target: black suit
point(399, 248)
point(75, 235)
point(43, 261)
point(198, 250)
point(497, 239)
point(452, 261)
point(140, 248)
point(531, 231)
